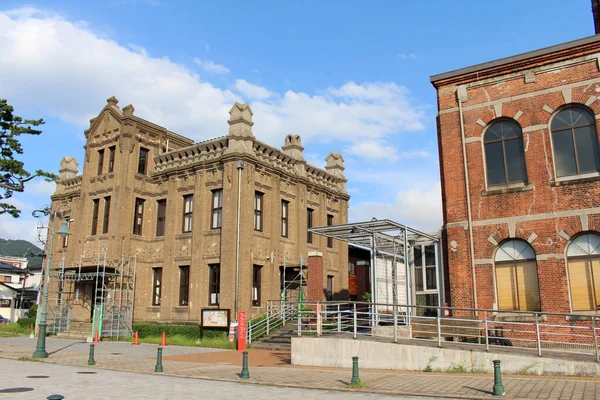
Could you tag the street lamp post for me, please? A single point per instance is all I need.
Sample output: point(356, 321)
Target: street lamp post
point(63, 231)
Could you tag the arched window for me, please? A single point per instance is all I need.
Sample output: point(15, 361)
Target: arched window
point(574, 141)
point(583, 258)
point(504, 155)
point(516, 277)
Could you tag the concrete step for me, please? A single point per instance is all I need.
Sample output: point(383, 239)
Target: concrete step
point(271, 346)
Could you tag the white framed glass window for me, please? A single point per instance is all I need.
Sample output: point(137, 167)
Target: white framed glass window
point(516, 277)
point(583, 265)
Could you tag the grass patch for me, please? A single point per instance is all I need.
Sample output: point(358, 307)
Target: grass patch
point(25, 358)
point(357, 385)
point(179, 340)
point(428, 366)
point(14, 328)
point(8, 334)
point(456, 369)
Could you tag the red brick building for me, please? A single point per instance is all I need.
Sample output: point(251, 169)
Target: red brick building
point(520, 173)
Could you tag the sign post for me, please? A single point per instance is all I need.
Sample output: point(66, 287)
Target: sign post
point(241, 330)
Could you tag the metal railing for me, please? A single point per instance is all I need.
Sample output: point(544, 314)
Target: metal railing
point(277, 314)
point(538, 332)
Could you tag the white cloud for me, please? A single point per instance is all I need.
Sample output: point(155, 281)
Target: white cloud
point(416, 154)
point(407, 56)
point(418, 208)
point(40, 187)
point(252, 91)
point(374, 150)
point(211, 67)
point(67, 70)
point(24, 228)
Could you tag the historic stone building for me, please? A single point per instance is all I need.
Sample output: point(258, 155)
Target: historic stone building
point(167, 208)
point(520, 173)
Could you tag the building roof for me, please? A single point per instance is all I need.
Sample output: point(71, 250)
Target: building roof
point(389, 235)
point(9, 268)
point(516, 58)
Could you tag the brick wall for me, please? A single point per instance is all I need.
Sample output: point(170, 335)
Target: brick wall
point(546, 211)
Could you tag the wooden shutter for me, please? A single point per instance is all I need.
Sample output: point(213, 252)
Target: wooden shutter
point(527, 286)
point(517, 286)
point(506, 287)
point(581, 279)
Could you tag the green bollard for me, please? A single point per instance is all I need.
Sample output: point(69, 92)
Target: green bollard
point(91, 360)
point(498, 386)
point(159, 367)
point(245, 374)
point(55, 397)
point(355, 379)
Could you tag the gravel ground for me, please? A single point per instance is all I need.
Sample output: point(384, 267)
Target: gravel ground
point(117, 348)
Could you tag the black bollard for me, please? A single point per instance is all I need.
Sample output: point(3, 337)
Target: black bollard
point(498, 386)
point(91, 360)
point(355, 379)
point(245, 374)
point(159, 366)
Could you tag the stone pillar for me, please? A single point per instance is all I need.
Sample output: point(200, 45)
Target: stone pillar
point(315, 276)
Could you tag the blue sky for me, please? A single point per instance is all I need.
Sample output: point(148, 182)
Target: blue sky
point(347, 76)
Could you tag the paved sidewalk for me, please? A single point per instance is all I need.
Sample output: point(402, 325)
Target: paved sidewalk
point(226, 368)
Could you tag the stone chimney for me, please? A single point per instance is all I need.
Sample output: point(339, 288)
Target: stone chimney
point(596, 14)
point(335, 164)
point(293, 147)
point(68, 168)
point(240, 120)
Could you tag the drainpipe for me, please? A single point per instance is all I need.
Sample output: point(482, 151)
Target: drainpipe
point(240, 167)
point(461, 96)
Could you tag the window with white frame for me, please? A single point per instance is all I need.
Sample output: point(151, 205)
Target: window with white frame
point(516, 277)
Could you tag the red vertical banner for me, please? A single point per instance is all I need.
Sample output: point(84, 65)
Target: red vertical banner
point(241, 330)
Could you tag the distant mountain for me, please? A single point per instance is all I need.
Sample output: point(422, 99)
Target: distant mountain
point(22, 248)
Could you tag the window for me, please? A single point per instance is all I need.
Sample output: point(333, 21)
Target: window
point(100, 161)
point(138, 216)
point(574, 142)
point(258, 207)
point(184, 285)
point(285, 207)
point(217, 208)
point(111, 158)
point(5, 303)
point(161, 217)
point(7, 278)
point(504, 155)
point(95, 205)
point(256, 285)
point(143, 161)
point(214, 283)
point(351, 268)
point(309, 224)
point(425, 279)
point(66, 238)
point(329, 288)
point(156, 286)
point(516, 277)
point(583, 260)
point(188, 208)
point(329, 223)
point(106, 214)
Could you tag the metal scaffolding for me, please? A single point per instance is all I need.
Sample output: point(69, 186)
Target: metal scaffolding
point(104, 287)
point(294, 280)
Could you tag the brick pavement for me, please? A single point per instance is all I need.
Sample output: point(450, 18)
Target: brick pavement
point(224, 366)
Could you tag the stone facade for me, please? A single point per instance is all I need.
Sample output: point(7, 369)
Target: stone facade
point(177, 167)
point(546, 211)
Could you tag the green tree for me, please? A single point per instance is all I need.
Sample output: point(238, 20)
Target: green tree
point(13, 175)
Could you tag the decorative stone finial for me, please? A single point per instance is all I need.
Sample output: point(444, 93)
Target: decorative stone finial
point(128, 111)
point(240, 120)
point(68, 167)
point(335, 164)
point(293, 147)
point(112, 101)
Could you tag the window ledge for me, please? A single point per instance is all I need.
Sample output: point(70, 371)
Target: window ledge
point(575, 179)
point(582, 316)
point(153, 309)
point(183, 235)
point(507, 189)
point(181, 308)
point(516, 317)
